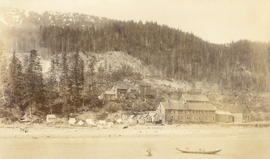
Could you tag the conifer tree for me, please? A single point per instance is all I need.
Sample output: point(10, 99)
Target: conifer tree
point(14, 87)
point(76, 79)
point(34, 80)
point(3, 77)
point(64, 83)
point(52, 86)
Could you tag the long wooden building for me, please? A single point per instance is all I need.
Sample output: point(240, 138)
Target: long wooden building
point(191, 108)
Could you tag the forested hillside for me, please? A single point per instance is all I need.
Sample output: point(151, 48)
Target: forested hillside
point(241, 65)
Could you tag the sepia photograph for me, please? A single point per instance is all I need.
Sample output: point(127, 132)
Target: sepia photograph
point(134, 79)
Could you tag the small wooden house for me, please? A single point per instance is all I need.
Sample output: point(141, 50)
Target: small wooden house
point(224, 116)
point(247, 117)
point(144, 88)
point(109, 96)
point(243, 116)
point(237, 117)
point(121, 91)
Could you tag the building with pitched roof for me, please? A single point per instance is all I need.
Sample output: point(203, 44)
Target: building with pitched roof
point(121, 90)
point(191, 108)
point(109, 95)
point(146, 90)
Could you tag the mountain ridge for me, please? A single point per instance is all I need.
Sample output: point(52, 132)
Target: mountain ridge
point(177, 54)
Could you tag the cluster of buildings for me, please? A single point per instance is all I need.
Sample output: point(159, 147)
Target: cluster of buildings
point(193, 107)
point(122, 91)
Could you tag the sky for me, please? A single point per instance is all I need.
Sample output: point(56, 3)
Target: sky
point(217, 21)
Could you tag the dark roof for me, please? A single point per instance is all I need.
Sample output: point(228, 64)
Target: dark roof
point(177, 105)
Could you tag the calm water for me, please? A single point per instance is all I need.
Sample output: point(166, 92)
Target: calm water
point(163, 147)
point(235, 142)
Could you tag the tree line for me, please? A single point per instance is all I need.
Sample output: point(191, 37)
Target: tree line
point(238, 65)
point(64, 90)
point(241, 65)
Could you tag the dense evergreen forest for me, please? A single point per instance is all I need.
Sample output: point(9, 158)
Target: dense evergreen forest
point(179, 55)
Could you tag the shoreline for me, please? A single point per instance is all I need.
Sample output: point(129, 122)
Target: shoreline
point(60, 131)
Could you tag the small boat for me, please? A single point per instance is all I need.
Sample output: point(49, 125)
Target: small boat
point(200, 151)
point(148, 152)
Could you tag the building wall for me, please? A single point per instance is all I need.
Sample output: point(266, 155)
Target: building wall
point(238, 117)
point(247, 117)
point(189, 116)
point(224, 118)
point(144, 90)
